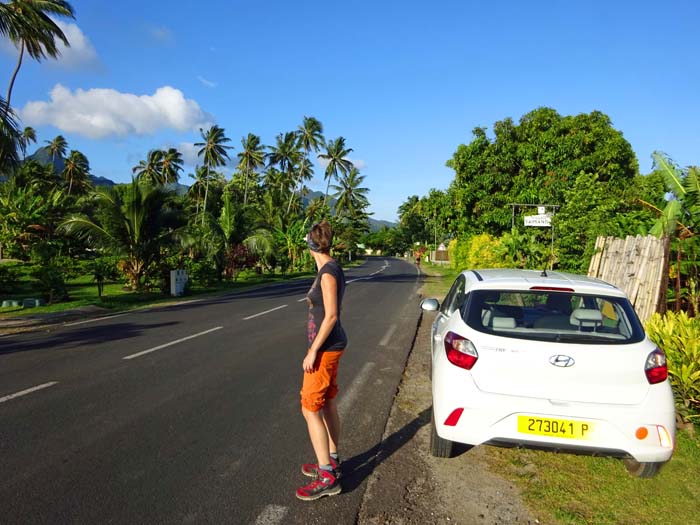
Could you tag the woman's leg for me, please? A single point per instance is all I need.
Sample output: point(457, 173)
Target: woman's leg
point(332, 423)
point(319, 435)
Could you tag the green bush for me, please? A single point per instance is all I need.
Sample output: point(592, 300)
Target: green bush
point(477, 251)
point(201, 272)
point(51, 281)
point(10, 275)
point(103, 269)
point(679, 337)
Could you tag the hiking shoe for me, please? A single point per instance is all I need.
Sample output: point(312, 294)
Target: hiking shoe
point(311, 469)
point(326, 484)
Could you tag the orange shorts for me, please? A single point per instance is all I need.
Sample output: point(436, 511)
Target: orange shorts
point(322, 384)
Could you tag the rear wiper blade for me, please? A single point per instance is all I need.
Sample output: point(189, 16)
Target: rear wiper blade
point(585, 338)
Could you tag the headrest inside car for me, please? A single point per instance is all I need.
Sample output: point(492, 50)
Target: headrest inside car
point(586, 318)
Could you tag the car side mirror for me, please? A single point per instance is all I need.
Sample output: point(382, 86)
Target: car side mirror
point(430, 305)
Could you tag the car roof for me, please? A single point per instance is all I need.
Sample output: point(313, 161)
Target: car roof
point(515, 279)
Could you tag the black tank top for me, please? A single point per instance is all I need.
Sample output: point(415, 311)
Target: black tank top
point(336, 340)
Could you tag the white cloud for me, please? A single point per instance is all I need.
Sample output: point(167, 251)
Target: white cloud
point(359, 164)
point(81, 52)
point(189, 153)
point(207, 83)
point(98, 113)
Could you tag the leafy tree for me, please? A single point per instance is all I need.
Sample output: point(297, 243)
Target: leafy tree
point(678, 224)
point(336, 157)
point(533, 162)
point(29, 25)
point(28, 215)
point(135, 222)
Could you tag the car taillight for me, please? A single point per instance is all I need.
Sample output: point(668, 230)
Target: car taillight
point(460, 351)
point(655, 367)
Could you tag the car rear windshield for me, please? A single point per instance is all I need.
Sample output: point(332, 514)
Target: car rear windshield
point(553, 316)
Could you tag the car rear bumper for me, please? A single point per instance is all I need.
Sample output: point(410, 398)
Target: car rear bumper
point(493, 418)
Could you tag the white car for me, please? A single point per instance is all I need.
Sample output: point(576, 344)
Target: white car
point(548, 360)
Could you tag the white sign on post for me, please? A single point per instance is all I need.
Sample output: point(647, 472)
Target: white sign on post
point(541, 221)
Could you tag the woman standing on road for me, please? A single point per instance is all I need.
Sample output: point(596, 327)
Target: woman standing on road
point(327, 341)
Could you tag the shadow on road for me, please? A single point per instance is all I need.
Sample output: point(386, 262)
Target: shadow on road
point(359, 467)
point(77, 338)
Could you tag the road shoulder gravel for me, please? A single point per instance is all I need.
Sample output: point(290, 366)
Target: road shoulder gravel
point(409, 486)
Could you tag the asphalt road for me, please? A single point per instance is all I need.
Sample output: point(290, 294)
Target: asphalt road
point(190, 414)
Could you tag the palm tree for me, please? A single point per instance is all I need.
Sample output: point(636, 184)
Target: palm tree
point(285, 154)
point(29, 26)
point(351, 198)
point(57, 146)
point(28, 214)
point(335, 155)
point(316, 210)
point(76, 172)
point(171, 166)
point(310, 138)
point(136, 224)
point(9, 138)
point(28, 136)
point(151, 168)
point(251, 158)
point(213, 153)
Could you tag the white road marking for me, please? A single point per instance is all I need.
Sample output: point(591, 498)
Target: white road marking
point(159, 347)
point(95, 319)
point(387, 335)
point(28, 391)
point(271, 515)
point(265, 312)
point(357, 385)
point(302, 299)
point(358, 279)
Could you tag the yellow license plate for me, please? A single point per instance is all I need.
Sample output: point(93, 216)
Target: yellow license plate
point(563, 428)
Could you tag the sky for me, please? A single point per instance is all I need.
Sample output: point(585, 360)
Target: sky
point(404, 82)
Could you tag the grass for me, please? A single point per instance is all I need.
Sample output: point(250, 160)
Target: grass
point(569, 489)
point(83, 292)
point(438, 281)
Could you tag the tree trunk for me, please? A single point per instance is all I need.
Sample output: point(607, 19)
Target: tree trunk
point(662, 306)
point(14, 74)
point(301, 171)
point(206, 192)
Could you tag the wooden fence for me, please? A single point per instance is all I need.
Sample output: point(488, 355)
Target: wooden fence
point(633, 264)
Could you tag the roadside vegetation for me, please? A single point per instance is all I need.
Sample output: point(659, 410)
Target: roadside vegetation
point(242, 220)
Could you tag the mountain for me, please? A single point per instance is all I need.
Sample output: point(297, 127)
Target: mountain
point(374, 224)
point(42, 156)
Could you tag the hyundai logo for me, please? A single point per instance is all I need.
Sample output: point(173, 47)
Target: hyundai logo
point(562, 360)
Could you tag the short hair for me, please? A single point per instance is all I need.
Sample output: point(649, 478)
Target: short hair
point(322, 235)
